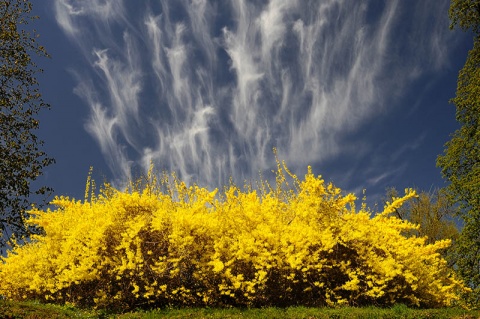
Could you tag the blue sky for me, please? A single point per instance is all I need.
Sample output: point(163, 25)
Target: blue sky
point(357, 89)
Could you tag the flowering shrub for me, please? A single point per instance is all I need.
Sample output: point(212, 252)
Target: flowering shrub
point(162, 243)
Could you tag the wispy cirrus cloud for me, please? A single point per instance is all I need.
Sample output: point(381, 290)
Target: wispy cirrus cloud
point(208, 88)
point(70, 13)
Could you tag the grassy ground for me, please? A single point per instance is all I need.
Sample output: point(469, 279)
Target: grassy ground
point(32, 310)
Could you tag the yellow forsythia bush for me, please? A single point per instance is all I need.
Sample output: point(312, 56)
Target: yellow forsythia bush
point(162, 243)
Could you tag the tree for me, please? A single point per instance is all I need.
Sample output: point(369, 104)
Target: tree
point(21, 160)
point(460, 162)
point(433, 213)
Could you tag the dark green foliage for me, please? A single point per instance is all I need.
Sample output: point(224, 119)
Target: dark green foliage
point(21, 160)
point(466, 14)
point(460, 162)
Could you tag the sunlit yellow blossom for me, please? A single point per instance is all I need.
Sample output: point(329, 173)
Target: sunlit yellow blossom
point(164, 242)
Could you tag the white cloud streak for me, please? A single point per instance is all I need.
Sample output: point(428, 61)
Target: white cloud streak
point(208, 88)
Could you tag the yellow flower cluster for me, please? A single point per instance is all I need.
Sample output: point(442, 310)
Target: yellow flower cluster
point(161, 242)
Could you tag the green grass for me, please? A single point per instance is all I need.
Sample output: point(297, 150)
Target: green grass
point(35, 310)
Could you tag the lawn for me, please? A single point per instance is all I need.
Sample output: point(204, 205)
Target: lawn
point(35, 310)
